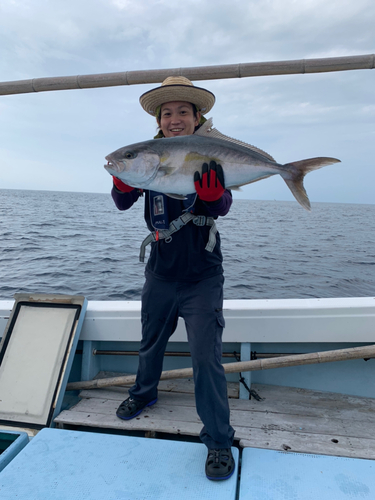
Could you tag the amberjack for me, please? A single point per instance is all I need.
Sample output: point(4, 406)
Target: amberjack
point(168, 165)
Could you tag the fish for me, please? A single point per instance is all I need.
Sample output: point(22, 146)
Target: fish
point(168, 165)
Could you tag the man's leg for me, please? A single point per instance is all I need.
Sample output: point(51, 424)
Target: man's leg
point(201, 307)
point(159, 320)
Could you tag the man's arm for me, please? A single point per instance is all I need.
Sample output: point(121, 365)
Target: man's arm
point(123, 195)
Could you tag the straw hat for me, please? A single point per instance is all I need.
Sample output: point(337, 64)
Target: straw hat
point(177, 88)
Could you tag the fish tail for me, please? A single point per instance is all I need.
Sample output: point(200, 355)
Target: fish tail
point(295, 173)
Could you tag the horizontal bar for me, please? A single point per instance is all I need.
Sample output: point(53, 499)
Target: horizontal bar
point(240, 70)
point(97, 352)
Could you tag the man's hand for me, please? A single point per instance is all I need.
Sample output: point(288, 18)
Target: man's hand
point(124, 188)
point(211, 186)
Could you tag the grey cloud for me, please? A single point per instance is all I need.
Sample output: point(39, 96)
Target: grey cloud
point(291, 117)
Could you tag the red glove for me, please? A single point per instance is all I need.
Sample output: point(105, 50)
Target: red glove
point(124, 188)
point(211, 186)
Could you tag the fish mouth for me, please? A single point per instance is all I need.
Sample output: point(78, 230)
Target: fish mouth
point(111, 165)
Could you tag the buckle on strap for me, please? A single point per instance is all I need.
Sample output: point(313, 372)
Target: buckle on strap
point(177, 224)
point(200, 220)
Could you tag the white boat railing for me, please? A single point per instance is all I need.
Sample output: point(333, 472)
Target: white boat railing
point(349, 319)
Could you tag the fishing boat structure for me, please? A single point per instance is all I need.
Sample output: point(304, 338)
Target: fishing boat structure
point(301, 382)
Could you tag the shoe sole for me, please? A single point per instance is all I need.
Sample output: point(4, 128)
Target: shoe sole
point(140, 411)
point(221, 478)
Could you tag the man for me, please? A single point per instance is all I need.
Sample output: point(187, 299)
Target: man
point(184, 276)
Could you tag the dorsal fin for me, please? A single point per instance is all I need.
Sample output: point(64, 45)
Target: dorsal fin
point(207, 130)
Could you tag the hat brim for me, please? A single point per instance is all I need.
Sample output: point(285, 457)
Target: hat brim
point(202, 98)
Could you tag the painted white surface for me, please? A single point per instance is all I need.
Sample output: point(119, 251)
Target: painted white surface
point(286, 320)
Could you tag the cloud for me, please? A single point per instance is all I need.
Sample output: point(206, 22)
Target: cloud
point(97, 34)
point(62, 137)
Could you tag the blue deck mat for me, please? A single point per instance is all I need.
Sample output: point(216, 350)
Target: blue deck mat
point(60, 465)
point(275, 475)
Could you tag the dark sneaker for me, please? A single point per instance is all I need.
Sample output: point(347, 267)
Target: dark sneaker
point(130, 408)
point(219, 464)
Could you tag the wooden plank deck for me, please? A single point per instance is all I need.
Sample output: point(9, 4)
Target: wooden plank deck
point(286, 419)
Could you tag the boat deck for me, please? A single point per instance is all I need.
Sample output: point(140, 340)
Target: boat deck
point(284, 419)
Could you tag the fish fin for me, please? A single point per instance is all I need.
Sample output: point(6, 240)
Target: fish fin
point(298, 170)
point(176, 196)
point(204, 129)
point(207, 130)
point(167, 170)
point(235, 188)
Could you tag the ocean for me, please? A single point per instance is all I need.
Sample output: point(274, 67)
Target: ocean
point(79, 243)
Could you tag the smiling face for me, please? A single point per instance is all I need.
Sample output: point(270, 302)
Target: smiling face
point(178, 118)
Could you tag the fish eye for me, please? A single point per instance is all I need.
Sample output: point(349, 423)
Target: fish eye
point(129, 155)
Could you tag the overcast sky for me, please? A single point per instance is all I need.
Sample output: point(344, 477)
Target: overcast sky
point(58, 140)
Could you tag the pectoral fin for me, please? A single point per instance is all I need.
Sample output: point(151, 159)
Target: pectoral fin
point(167, 170)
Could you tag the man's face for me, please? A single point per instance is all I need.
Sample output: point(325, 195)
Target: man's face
point(177, 118)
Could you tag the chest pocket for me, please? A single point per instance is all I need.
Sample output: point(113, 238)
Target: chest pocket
point(160, 218)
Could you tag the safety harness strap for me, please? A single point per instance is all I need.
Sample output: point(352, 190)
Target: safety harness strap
point(176, 225)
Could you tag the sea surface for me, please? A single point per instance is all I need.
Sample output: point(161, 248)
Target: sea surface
point(79, 243)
